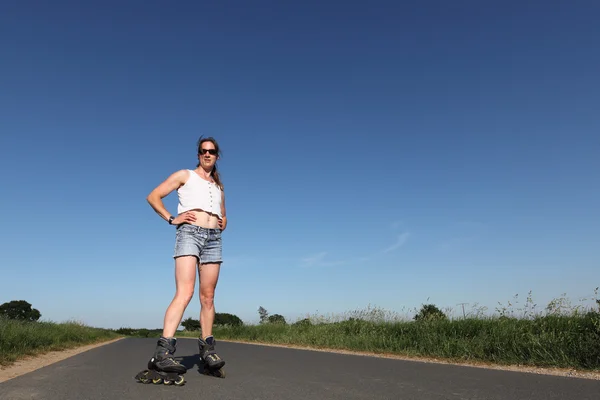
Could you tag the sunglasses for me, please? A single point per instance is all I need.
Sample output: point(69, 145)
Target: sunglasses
point(211, 151)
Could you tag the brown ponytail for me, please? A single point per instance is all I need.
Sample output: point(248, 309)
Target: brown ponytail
point(214, 173)
point(217, 177)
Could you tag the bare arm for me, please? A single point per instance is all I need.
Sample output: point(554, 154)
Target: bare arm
point(170, 184)
point(223, 220)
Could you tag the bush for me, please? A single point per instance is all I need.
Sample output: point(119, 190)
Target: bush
point(429, 312)
point(276, 319)
point(19, 310)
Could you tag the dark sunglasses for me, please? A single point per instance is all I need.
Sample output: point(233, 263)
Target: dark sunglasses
point(211, 151)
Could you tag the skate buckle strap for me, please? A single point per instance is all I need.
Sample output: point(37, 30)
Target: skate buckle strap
point(210, 353)
point(171, 361)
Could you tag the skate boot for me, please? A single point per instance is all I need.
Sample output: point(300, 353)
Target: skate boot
point(162, 368)
point(213, 364)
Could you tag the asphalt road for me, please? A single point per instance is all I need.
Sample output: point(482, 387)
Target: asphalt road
point(261, 372)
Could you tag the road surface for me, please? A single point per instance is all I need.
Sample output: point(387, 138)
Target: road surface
point(275, 373)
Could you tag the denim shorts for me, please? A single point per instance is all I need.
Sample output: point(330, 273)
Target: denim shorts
point(203, 243)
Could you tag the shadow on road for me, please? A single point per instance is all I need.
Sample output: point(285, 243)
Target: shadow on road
point(190, 361)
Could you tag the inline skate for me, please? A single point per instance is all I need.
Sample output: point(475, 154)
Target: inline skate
point(162, 368)
point(212, 363)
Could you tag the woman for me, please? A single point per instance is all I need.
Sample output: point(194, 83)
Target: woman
point(200, 220)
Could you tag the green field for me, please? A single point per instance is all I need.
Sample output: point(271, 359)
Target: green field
point(559, 336)
point(552, 341)
point(19, 338)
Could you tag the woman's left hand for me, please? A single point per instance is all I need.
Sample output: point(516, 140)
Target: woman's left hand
point(223, 223)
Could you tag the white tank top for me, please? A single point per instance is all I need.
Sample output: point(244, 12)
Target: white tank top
point(198, 193)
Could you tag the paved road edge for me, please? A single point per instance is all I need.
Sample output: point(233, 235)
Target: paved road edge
point(31, 363)
point(565, 372)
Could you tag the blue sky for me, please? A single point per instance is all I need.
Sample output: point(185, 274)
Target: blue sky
point(374, 154)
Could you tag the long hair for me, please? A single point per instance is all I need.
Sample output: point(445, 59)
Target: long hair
point(214, 173)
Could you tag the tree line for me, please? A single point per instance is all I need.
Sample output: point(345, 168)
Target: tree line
point(191, 324)
point(23, 310)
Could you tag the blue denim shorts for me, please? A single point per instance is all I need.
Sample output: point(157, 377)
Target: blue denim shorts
point(202, 243)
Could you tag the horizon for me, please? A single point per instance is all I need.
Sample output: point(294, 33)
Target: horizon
point(386, 155)
point(517, 307)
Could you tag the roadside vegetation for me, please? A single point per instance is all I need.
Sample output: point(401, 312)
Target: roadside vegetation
point(558, 335)
point(21, 334)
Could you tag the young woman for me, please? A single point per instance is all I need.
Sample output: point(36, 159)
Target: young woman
point(200, 220)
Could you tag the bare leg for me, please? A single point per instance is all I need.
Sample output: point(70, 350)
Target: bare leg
point(209, 276)
point(185, 280)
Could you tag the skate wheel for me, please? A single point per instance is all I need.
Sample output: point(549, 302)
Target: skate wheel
point(217, 373)
point(157, 381)
point(179, 381)
point(142, 377)
point(167, 382)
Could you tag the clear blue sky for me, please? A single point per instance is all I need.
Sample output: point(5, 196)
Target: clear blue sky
point(375, 153)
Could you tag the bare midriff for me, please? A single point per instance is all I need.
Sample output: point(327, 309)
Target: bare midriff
point(205, 220)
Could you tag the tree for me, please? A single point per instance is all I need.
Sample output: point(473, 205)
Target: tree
point(191, 324)
point(21, 310)
point(264, 314)
point(277, 319)
point(430, 312)
point(143, 332)
point(227, 319)
point(303, 322)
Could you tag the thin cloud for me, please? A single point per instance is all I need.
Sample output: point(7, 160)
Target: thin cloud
point(314, 259)
point(402, 238)
point(318, 260)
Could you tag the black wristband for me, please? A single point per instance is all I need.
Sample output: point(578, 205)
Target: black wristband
point(171, 218)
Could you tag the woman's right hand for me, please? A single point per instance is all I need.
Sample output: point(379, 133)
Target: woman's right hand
point(186, 217)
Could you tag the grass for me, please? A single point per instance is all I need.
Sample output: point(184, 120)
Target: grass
point(19, 339)
point(552, 341)
point(559, 336)
point(562, 336)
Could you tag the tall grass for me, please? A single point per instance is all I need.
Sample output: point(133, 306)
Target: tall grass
point(551, 341)
point(19, 339)
point(561, 336)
